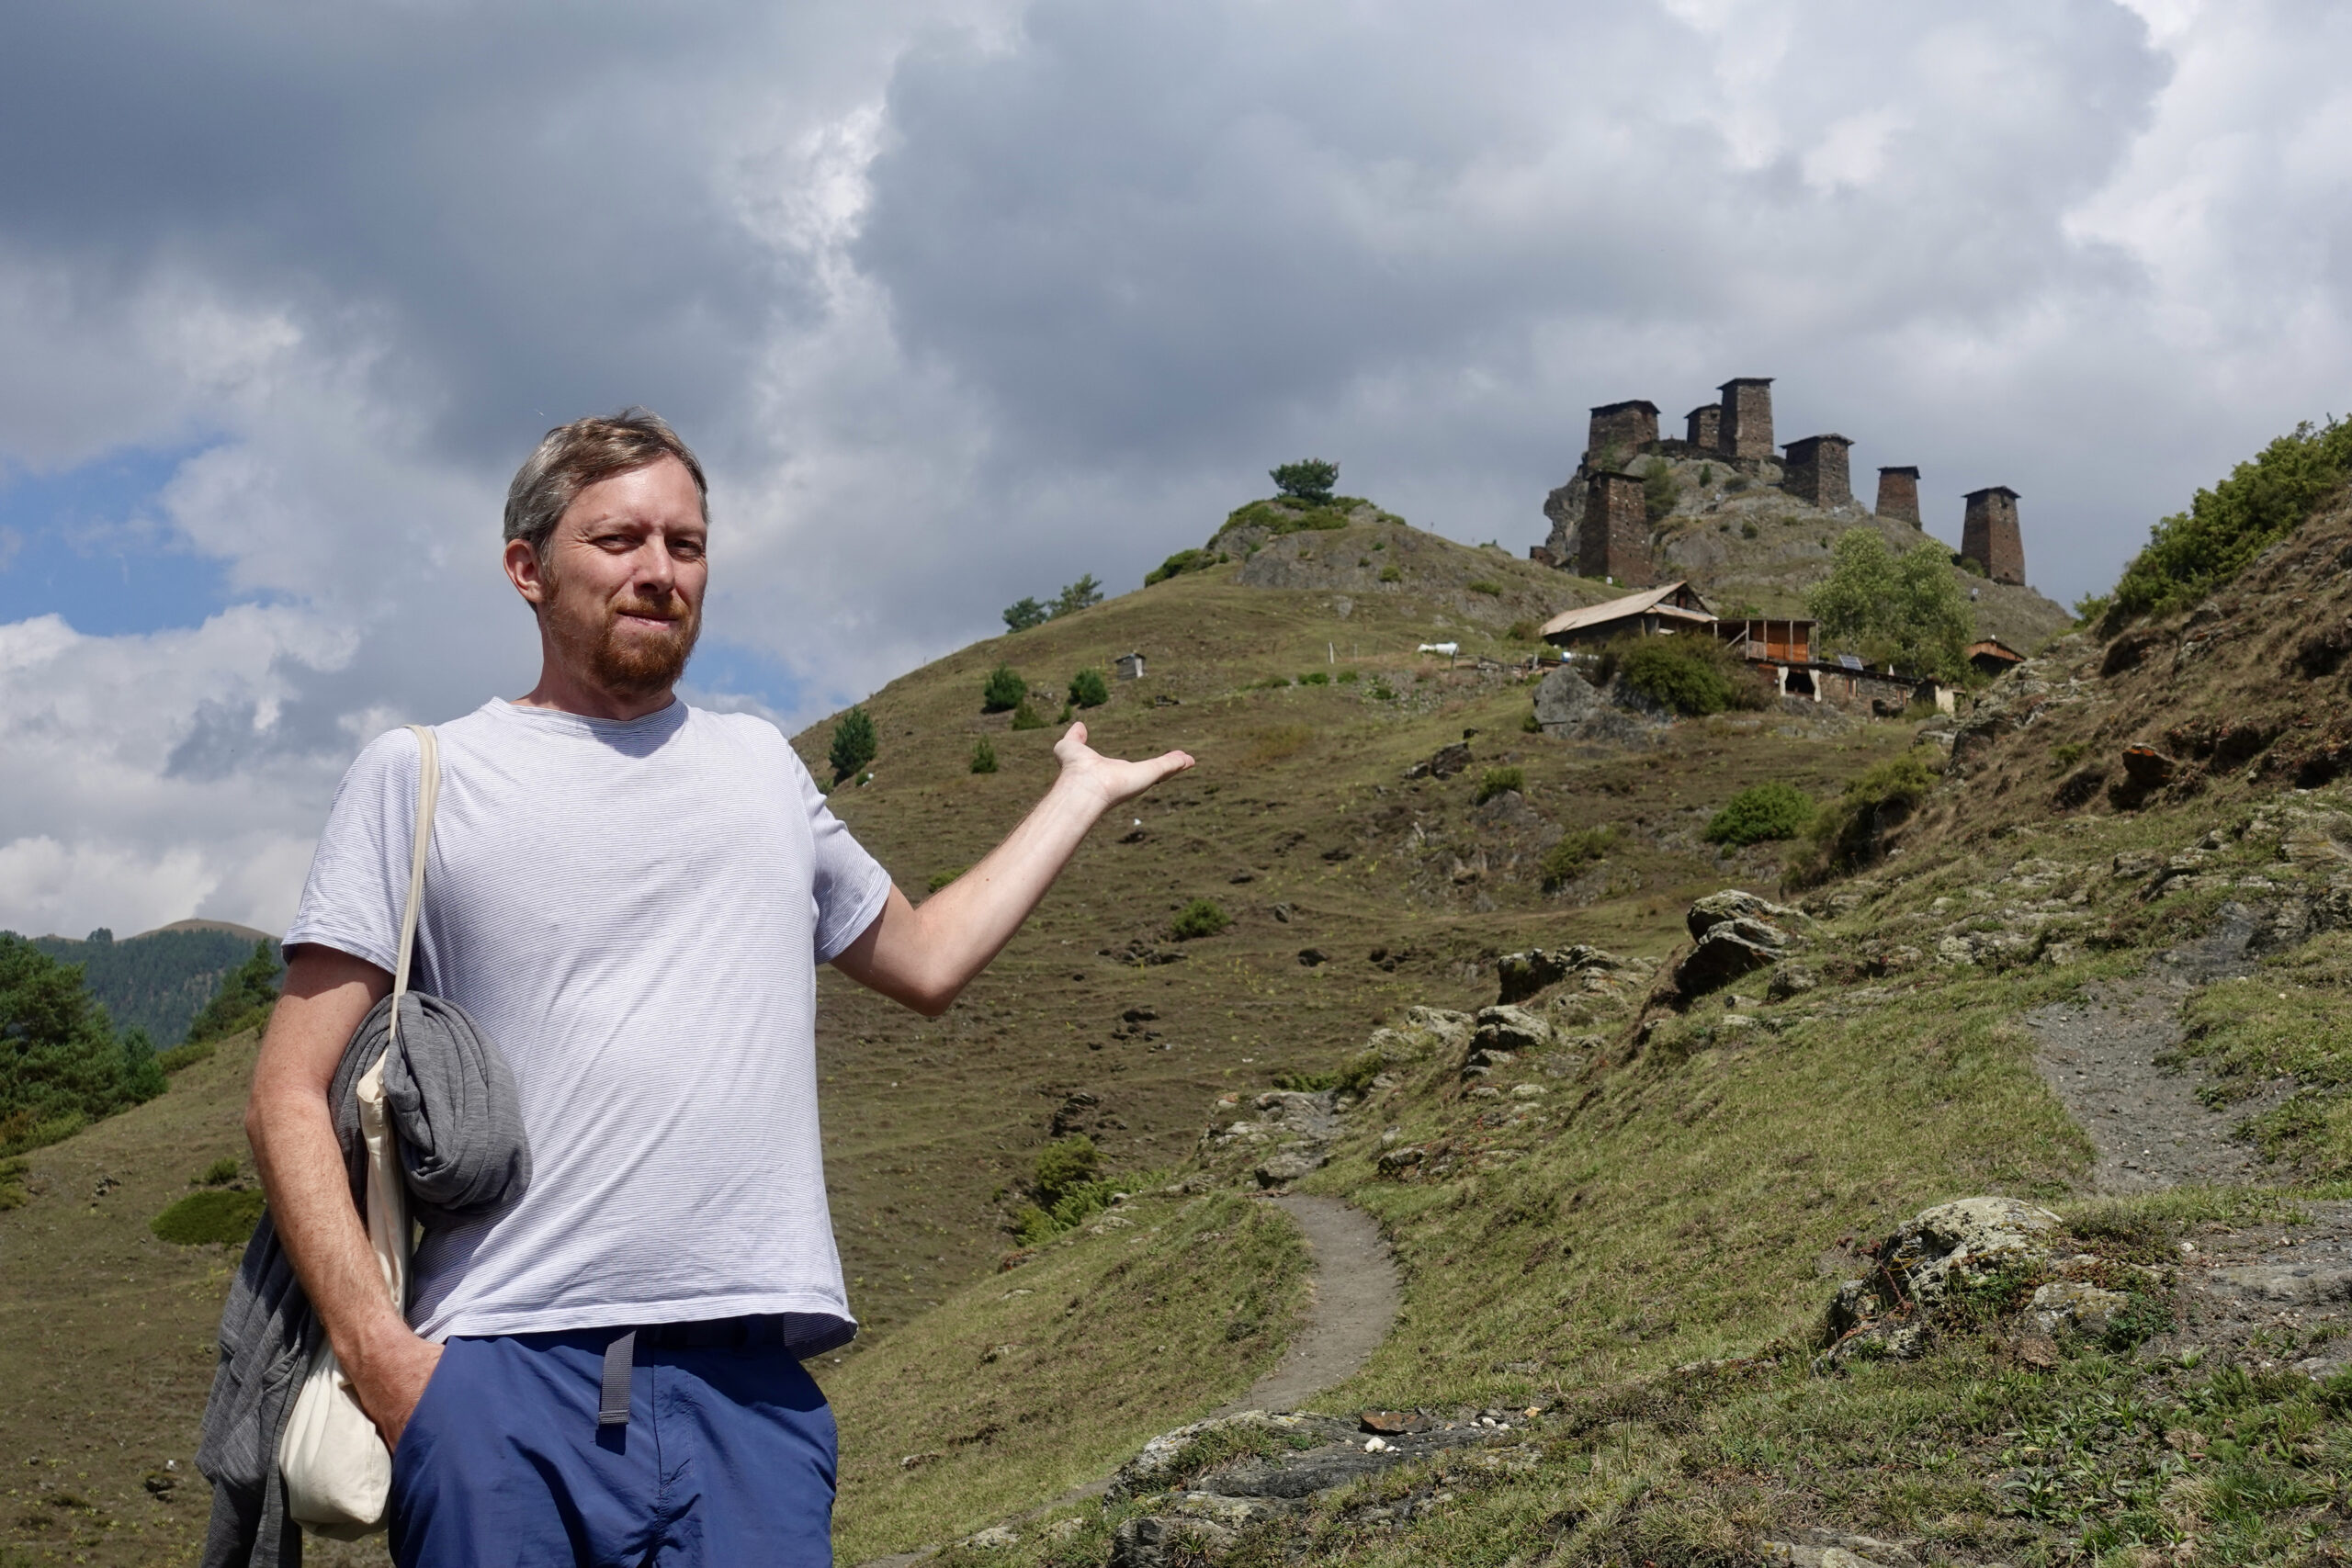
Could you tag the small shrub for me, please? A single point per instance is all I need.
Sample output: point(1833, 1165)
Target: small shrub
point(1849, 833)
point(1269, 683)
point(1521, 631)
point(1487, 587)
point(1062, 1165)
point(220, 1172)
point(855, 743)
point(1759, 812)
point(1347, 677)
point(2066, 754)
point(1736, 483)
point(1070, 711)
point(1309, 479)
point(1529, 724)
point(1024, 612)
point(1316, 678)
point(215, 1214)
point(1706, 473)
point(12, 1189)
point(983, 757)
point(1003, 690)
point(1178, 564)
point(1381, 690)
point(1568, 856)
point(940, 879)
point(1750, 530)
point(1198, 919)
point(1391, 573)
point(1669, 670)
point(1660, 491)
point(1026, 716)
point(1089, 690)
point(1496, 780)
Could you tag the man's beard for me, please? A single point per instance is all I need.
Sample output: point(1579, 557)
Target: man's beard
point(638, 665)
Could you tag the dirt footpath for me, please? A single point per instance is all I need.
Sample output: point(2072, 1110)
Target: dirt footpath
point(2105, 1058)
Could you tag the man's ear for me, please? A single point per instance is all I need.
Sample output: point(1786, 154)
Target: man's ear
point(527, 573)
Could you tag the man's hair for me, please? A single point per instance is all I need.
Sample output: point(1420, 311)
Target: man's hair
point(572, 457)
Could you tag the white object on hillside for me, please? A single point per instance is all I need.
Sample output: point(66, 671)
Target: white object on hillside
point(1448, 649)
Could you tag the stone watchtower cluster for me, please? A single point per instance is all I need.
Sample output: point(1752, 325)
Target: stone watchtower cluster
point(1601, 527)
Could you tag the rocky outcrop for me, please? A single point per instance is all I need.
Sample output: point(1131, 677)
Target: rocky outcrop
point(1523, 974)
point(1922, 1267)
point(1569, 708)
point(1736, 933)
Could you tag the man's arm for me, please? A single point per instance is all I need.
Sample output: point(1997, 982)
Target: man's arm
point(291, 1128)
point(926, 956)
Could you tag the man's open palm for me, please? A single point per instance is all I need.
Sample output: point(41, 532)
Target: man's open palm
point(1115, 779)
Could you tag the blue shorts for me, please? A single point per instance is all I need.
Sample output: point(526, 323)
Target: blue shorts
point(727, 1459)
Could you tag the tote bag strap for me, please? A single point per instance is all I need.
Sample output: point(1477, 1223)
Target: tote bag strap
point(428, 796)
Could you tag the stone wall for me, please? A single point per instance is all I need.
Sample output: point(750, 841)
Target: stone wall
point(1746, 428)
point(1614, 540)
point(1627, 427)
point(1989, 536)
point(1703, 427)
point(1898, 494)
point(1815, 471)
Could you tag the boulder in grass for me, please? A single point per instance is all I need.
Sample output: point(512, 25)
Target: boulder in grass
point(1941, 1251)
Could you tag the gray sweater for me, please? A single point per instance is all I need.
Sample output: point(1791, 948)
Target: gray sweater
point(451, 1097)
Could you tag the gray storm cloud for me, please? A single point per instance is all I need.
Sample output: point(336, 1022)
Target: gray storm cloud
point(960, 301)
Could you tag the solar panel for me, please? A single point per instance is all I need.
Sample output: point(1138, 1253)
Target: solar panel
point(1850, 660)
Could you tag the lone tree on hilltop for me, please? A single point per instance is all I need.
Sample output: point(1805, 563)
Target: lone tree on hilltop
point(1309, 479)
point(855, 743)
point(1901, 610)
point(1024, 612)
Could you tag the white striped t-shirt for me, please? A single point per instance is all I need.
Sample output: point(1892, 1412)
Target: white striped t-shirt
point(635, 913)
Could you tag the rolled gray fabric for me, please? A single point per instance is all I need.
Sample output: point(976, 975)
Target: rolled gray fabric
point(451, 1097)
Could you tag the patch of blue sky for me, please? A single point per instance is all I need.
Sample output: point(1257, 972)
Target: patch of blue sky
point(733, 678)
point(92, 544)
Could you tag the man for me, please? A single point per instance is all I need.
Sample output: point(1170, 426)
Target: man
point(631, 896)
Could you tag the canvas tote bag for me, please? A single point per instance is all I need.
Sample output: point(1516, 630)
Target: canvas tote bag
point(337, 1470)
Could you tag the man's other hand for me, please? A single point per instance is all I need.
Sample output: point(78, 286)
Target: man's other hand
point(390, 1378)
point(1110, 779)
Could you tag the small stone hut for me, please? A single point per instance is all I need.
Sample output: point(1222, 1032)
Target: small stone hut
point(1815, 471)
point(1626, 427)
point(1703, 427)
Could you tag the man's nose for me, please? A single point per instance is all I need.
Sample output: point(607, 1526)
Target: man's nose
point(657, 569)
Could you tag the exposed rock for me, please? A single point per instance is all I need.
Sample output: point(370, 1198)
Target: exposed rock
point(1918, 1269)
point(1789, 980)
point(1731, 904)
point(1507, 1028)
point(1157, 1540)
point(2071, 1303)
point(1154, 1464)
point(1290, 1165)
point(1453, 1029)
point(1446, 761)
point(1727, 952)
point(1395, 1162)
point(1523, 975)
point(996, 1537)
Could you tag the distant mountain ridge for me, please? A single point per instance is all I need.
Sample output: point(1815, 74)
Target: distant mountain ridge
point(159, 980)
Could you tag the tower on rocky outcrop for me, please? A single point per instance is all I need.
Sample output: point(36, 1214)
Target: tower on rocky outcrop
point(1746, 420)
point(1898, 494)
point(1614, 539)
point(1704, 426)
point(1816, 470)
point(1624, 427)
point(1989, 537)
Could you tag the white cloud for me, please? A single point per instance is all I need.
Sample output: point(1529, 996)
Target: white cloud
point(962, 301)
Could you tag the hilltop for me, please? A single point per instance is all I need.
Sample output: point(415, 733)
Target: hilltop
point(1457, 990)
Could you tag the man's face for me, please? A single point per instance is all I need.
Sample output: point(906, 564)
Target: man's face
point(620, 591)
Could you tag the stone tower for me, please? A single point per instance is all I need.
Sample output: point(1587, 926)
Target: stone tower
point(1816, 470)
point(1747, 429)
point(1614, 540)
point(1705, 426)
point(1988, 535)
point(1898, 494)
point(1627, 426)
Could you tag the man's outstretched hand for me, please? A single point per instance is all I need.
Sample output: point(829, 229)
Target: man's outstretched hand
point(1110, 779)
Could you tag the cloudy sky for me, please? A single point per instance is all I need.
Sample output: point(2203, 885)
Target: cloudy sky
point(960, 298)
